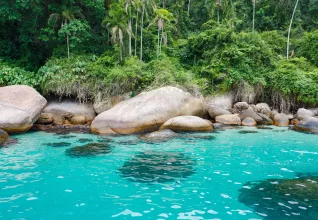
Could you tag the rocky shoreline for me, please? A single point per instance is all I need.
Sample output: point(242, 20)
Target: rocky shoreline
point(161, 111)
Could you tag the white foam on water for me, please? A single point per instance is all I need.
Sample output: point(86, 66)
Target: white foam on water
point(191, 215)
point(167, 188)
point(163, 215)
point(300, 185)
point(282, 204)
point(128, 212)
point(247, 172)
point(246, 187)
point(68, 190)
point(230, 213)
point(60, 177)
point(225, 196)
point(148, 200)
point(32, 198)
point(212, 212)
point(301, 207)
point(242, 212)
point(261, 214)
point(176, 207)
point(286, 170)
point(292, 202)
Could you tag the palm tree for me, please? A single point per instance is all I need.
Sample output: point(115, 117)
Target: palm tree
point(289, 29)
point(162, 16)
point(219, 6)
point(138, 7)
point(128, 5)
point(145, 6)
point(58, 20)
point(115, 23)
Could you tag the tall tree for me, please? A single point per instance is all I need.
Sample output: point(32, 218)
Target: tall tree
point(289, 29)
point(254, 3)
point(59, 20)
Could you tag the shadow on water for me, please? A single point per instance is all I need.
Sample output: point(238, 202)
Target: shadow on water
point(264, 128)
point(89, 150)
point(84, 140)
point(290, 199)
point(194, 137)
point(158, 167)
point(67, 136)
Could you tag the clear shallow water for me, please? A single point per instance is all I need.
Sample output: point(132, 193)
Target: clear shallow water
point(230, 176)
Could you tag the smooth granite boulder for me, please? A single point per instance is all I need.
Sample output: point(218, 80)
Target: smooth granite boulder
point(303, 113)
point(45, 119)
point(308, 125)
point(20, 107)
point(263, 108)
point(250, 113)
point(187, 123)
point(159, 136)
point(64, 111)
point(281, 120)
point(214, 111)
point(147, 111)
point(228, 119)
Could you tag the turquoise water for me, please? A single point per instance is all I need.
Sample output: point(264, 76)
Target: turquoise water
point(212, 177)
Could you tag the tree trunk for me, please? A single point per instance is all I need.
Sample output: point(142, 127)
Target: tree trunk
point(161, 41)
point(254, 2)
point(129, 26)
point(136, 34)
point(291, 22)
point(141, 29)
point(68, 46)
point(158, 42)
point(189, 6)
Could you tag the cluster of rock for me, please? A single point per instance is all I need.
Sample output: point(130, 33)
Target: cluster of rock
point(165, 110)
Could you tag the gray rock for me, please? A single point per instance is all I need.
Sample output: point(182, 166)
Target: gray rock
point(249, 122)
point(187, 123)
point(265, 120)
point(308, 124)
point(45, 119)
point(214, 111)
point(20, 107)
point(303, 113)
point(249, 113)
point(3, 137)
point(263, 108)
point(281, 120)
point(104, 105)
point(240, 106)
point(224, 101)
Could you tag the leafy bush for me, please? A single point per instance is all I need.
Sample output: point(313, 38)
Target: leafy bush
point(18, 76)
point(296, 77)
point(308, 46)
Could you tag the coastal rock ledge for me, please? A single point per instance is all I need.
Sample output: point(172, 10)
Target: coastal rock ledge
point(20, 107)
point(147, 111)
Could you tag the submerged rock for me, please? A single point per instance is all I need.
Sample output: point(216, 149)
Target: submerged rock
point(187, 123)
point(158, 167)
point(281, 120)
point(308, 125)
point(59, 144)
point(290, 199)
point(228, 119)
point(159, 136)
point(3, 137)
point(194, 137)
point(89, 150)
point(147, 111)
point(84, 140)
point(20, 108)
point(247, 132)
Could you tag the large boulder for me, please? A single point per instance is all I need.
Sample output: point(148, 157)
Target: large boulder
point(228, 119)
point(45, 119)
point(250, 113)
point(187, 123)
point(214, 111)
point(147, 111)
point(308, 124)
point(249, 122)
point(20, 107)
point(104, 105)
point(266, 120)
point(64, 111)
point(303, 113)
point(281, 120)
point(224, 101)
point(3, 137)
point(240, 106)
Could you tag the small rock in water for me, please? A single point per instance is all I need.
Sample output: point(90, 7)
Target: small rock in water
point(247, 132)
point(84, 140)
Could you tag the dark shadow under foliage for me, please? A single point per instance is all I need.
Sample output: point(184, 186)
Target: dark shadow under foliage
point(158, 167)
point(89, 150)
point(283, 198)
point(59, 144)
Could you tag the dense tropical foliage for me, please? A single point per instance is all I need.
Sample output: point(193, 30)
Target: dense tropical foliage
point(93, 48)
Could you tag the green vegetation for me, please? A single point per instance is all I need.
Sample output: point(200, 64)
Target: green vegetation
point(88, 49)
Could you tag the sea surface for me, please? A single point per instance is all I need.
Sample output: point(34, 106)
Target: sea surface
point(246, 173)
